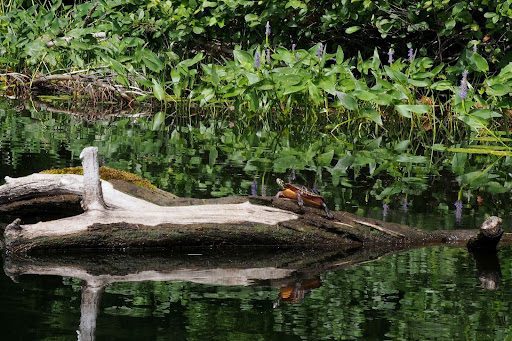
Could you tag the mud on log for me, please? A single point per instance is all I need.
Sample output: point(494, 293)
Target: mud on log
point(112, 219)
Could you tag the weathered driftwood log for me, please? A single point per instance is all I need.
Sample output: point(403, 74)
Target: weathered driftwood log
point(113, 219)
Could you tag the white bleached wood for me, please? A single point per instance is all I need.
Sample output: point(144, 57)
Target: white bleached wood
point(213, 276)
point(93, 197)
point(197, 214)
point(124, 208)
point(48, 184)
point(97, 195)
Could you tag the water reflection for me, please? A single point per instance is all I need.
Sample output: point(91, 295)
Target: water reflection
point(295, 292)
point(211, 159)
point(488, 269)
point(425, 293)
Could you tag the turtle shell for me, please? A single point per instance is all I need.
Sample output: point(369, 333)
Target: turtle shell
point(303, 190)
point(290, 191)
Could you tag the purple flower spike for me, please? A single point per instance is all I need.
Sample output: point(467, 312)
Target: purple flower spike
point(263, 190)
point(385, 210)
point(475, 48)
point(391, 53)
point(267, 29)
point(458, 211)
point(257, 60)
point(320, 51)
point(411, 54)
point(254, 188)
point(293, 47)
point(463, 91)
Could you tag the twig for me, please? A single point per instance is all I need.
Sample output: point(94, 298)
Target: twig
point(380, 228)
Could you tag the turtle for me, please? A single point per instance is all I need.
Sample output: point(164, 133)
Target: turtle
point(303, 195)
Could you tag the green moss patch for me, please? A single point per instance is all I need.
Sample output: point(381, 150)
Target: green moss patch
point(107, 174)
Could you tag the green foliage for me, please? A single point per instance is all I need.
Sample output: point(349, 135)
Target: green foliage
point(155, 45)
point(365, 105)
point(192, 24)
point(199, 158)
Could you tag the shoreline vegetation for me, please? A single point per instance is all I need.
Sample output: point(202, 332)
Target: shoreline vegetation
point(402, 97)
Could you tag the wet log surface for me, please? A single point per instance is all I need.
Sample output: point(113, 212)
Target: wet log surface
point(149, 218)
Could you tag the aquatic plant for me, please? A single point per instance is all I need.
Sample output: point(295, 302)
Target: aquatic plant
point(391, 53)
point(257, 59)
point(400, 122)
point(463, 89)
point(410, 54)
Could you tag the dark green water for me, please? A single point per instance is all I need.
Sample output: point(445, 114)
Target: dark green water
point(424, 294)
point(429, 293)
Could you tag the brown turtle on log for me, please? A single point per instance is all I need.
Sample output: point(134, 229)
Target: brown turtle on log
point(303, 195)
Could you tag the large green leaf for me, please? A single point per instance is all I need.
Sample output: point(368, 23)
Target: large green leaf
point(372, 115)
point(158, 90)
point(348, 101)
point(243, 58)
point(459, 163)
point(158, 120)
point(406, 110)
point(352, 29)
point(151, 60)
point(325, 158)
point(479, 62)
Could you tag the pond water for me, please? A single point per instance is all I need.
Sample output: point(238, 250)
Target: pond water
point(427, 293)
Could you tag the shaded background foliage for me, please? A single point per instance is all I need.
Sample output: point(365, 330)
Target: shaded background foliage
point(400, 122)
point(442, 28)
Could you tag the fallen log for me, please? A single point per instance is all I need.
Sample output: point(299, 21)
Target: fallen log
point(112, 219)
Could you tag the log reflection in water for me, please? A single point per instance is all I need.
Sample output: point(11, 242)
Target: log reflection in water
point(488, 269)
point(293, 273)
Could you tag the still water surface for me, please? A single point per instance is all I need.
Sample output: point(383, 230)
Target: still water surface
point(424, 294)
point(429, 293)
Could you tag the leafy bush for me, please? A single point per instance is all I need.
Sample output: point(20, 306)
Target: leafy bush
point(407, 81)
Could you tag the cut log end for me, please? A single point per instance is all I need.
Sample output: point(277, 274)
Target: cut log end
point(491, 227)
point(488, 237)
point(11, 233)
